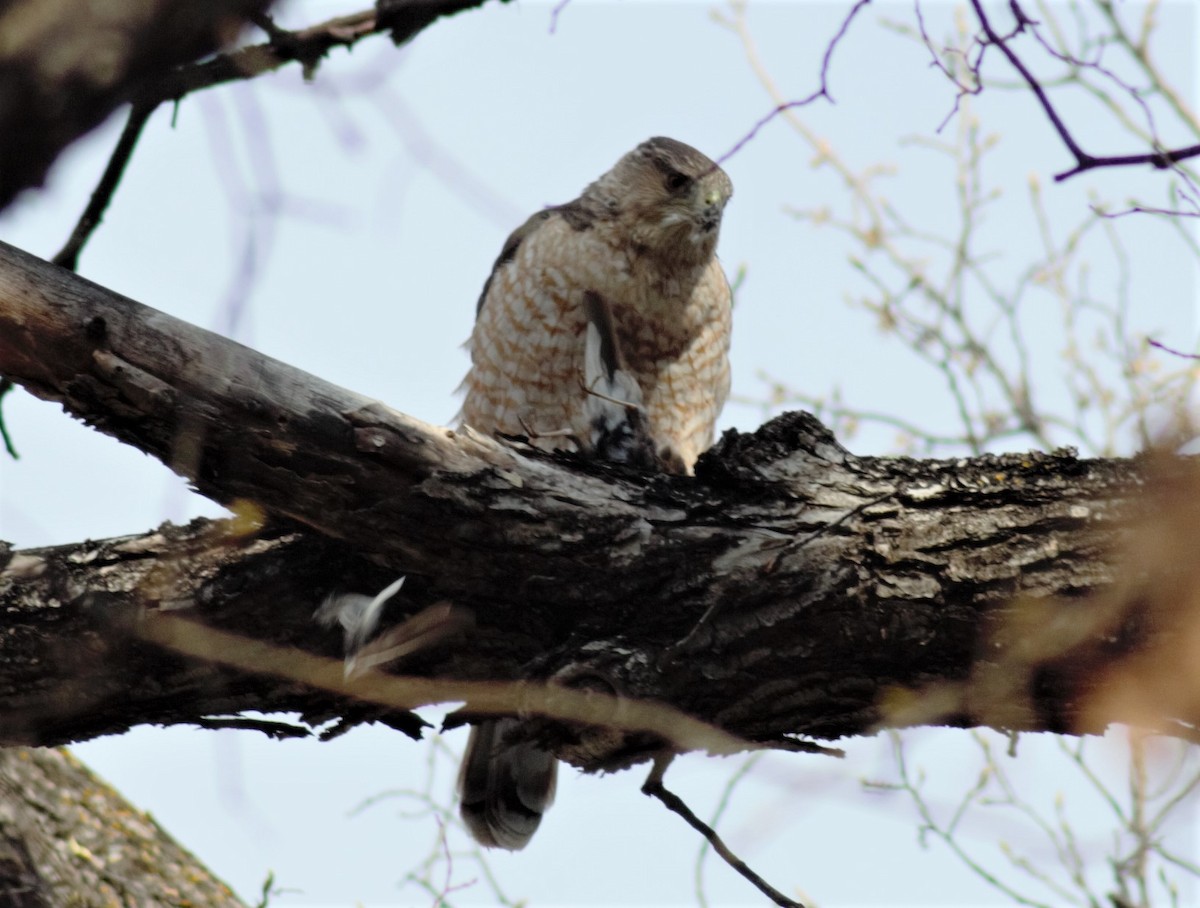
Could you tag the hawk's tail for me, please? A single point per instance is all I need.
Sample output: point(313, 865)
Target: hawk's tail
point(504, 786)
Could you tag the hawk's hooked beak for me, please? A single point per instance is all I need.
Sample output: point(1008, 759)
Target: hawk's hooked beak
point(714, 206)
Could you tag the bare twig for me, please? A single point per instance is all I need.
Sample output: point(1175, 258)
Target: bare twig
point(1153, 343)
point(555, 13)
point(1146, 209)
point(6, 385)
point(68, 256)
point(655, 789)
point(1162, 159)
point(964, 88)
point(821, 92)
point(307, 46)
point(722, 805)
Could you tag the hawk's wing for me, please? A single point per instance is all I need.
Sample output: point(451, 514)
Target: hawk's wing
point(575, 213)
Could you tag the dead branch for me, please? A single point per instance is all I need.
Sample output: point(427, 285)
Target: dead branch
point(654, 788)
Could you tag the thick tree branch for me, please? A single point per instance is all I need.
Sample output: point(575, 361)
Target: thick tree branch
point(74, 673)
point(790, 588)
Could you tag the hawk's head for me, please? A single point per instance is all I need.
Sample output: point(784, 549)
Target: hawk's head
point(667, 197)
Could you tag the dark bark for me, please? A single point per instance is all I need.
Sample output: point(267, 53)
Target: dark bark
point(790, 588)
point(74, 665)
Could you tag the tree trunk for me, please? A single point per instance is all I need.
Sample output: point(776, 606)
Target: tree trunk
point(66, 838)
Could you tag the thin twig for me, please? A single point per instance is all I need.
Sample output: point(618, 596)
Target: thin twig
point(6, 385)
point(654, 788)
point(722, 805)
point(307, 46)
point(963, 88)
point(1145, 209)
point(1153, 343)
point(303, 45)
point(555, 13)
point(1084, 161)
point(68, 256)
point(821, 92)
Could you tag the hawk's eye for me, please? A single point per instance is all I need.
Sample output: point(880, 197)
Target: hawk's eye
point(677, 181)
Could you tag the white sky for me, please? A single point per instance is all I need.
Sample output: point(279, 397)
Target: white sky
point(368, 207)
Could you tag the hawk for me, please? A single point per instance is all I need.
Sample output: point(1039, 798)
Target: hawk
point(603, 329)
